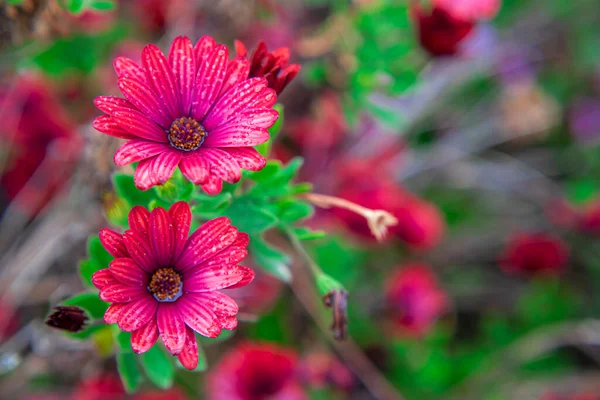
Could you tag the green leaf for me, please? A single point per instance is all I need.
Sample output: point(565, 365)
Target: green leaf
point(128, 369)
point(88, 332)
point(291, 211)
point(278, 184)
point(75, 6)
point(98, 253)
point(86, 270)
point(125, 187)
point(303, 233)
point(208, 207)
point(123, 340)
point(15, 1)
point(158, 367)
point(90, 302)
point(103, 5)
point(250, 217)
point(270, 259)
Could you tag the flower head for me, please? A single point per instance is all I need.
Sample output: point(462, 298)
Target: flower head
point(162, 283)
point(534, 254)
point(255, 371)
point(273, 66)
point(194, 109)
point(415, 299)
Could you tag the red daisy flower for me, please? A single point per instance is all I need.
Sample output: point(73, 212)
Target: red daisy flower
point(535, 254)
point(273, 66)
point(194, 109)
point(256, 371)
point(163, 283)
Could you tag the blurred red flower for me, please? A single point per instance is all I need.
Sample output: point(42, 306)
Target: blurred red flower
point(40, 142)
point(253, 371)
point(470, 9)
point(320, 369)
point(415, 299)
point(171, 394)
point(100, 387)
point(535, 254)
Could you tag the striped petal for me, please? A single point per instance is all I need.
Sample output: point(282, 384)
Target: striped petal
point(119, 293)
point(248, 277)
point(127, 272)
point(189, 356)
point(212, 278)
point(109, 104)
point(209, 239)
point(228, 256)
point(247, 158)
point(103, 278)
point(236, 135)
point(209, 81)
point(140, 250)
point(139, 125)
point(213, 185)
point(198, 317)
point(195, 168)
point(160, 76)
point(259, 117)
point(138, 220)
point(221, 304)
point(113, 243)
point(107, 125)
point(181, 215)
point(137, 150)
point(144, 338)
point(222, 165)
point(202, 48)
point(161, 236)
point(266, 99)
point(144, 99)
point(137, 314)
point(127, 68)
point(111, 316)
point(183, 65)
point(171, 326)
point(157, 170)
point(237, 71)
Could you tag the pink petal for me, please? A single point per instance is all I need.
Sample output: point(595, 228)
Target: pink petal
point(248, 277)
point(259, 117)
point(189, 356)
point(221, 304)
point(198, 317)
point(137, 314)
point(113, 243)
point(127, 68)
point(242, 240)
point(109, 104)
point(247, 158)
point(183, 64)
point(240, 48)
point(213, 185)
point(141, 96)
point(229, 323)
point(228, 256)
point(195, 168)
point(237, 71)
point(160, 76)
point(119, 293)
point(157, 170)
point(212, 278)
point(138, 124)
point(103, 278)
point(108, 126)
point(210, 238)
point(140, 250)
point(161, 236)
point(138, 149)
point(203, 47)
point(235, 100)
point(144, 338)
point(222, 164)
point(171, 326)
point(112, 313)
point(139, 219)
point(236, 135)
point(267, 99)
point(127, 272)
point(209, 80)
point(181, 215)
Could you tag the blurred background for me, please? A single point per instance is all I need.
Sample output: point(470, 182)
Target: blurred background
point(475, 123)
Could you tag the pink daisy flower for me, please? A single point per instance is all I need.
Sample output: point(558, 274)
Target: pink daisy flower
point(162, 283)
point(194, 109)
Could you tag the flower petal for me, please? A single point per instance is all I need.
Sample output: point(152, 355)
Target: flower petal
point(112, 313)
point(189, 356)
point(109, 104)
point(181, 215)
point(161, 236)
point(248, 277)
point(210, 238)
point(209, 80)
point(139, 125)
point(157, 170)
point(267, 99)
point(212, 278)
point(195, 168)
point(160, 76)
point(242, 240)
point(198, 317)
point(113, 243)
point(103, 278)
point(137, 314)
point(127, 68)
point(144, 338)
point(203, 47)
point(222, 165)
point(221, 304)
point(107, 125)
point(183, 64)
point(228, 256)
point(235, 100)
point(236, 135)
point(140, 250)
point(143, 98)
point(247, 157)
point(120, 293)
point(240, 48)
point(139, 219)
point(171, 326)
point(259, 117)
point(229, 323)
point(213, 185)
point(138, 149)
point(237, 71)
point(127, 272)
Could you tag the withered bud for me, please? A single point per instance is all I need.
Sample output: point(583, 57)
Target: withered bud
point(337, 300)
point(67, 318)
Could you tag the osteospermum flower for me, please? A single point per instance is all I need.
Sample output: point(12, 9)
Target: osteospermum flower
point(162, 283)
point(194, 109)
point(271, 65)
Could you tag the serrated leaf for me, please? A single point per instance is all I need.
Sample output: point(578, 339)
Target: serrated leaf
point(90, 302)
point(250, 217)
point(158, 367)
point(270, 259)
point(125, 187)
point(129, 371)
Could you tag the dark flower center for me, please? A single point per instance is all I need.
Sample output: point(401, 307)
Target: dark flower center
point(165, 285)
point(186, 134)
